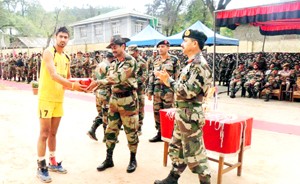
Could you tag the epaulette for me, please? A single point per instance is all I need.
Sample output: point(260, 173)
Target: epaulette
point(128, 57)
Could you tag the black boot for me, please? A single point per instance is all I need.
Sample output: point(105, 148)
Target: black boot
point(171, 179)
point(250, 92)
point(132, 163)
point(156, 138)
point(92, 132)
point(232, 94)
point(108, 162)
point(267, 98)
point(254, 94)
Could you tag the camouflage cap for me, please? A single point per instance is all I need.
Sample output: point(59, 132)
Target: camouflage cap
point(197, 35)
point(163, 42)
point(132, 48)
point(117, 40)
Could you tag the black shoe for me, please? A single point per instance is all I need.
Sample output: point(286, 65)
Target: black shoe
point(156, 138)
point(171, 179)
point(108, 162)
point(92, 135)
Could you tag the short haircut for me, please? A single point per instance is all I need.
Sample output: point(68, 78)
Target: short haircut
point(63, 30)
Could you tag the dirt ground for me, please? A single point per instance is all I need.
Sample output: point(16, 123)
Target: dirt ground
point(272, 158)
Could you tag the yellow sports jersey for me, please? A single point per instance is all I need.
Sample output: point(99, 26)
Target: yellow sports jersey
point(49, 90)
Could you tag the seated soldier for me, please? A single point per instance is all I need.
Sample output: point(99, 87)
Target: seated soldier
point(253, 81)
point(272, 82)
point(285, 76)
point(237, 79)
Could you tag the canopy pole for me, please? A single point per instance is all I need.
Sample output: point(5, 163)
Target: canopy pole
point(263, 47)
point(214, 54)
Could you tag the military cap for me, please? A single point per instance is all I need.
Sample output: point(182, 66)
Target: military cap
point(97, 52)
point(117, 40)
point(109, 55)
point(79, 52)
point(197, 35)
point(241, 63)
point(132, 48)
point(275, 68)
point(163, 42)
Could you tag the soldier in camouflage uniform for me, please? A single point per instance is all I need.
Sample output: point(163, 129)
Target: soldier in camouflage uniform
point(222, 70)
point(123, 104)
point(141, 78)
point(163, 97)
point(103, 94)
point(20, 67)
point(150, 62)
point(272, 82)
point(76, 65)
point(253, 81)
point(5, 67)
point(187, 146)
point(96, 60)
point(237, 79)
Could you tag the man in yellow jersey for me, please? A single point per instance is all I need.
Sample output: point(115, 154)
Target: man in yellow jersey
point(54, 74)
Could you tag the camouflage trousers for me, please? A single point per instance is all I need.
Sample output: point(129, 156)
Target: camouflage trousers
point(102, 106)
point(255, 86)
point(162, 99)
point(187, 146)
point(141, 97)
point(123, 111)
point(268, 90)
point(235, 86)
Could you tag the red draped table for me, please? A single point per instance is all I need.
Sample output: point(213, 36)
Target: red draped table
point(222, 134)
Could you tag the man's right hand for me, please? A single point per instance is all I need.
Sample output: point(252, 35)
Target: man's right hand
point(79, 87)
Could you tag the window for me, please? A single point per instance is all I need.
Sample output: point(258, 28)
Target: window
point(83, 32)
point(98, 29)
point(138, 27)
point(116, 28)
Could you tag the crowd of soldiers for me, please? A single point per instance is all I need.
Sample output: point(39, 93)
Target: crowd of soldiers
point(266, 74)
point(20, 67)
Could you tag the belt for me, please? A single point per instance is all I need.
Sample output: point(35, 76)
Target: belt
point(187, 104)
point(123, 94)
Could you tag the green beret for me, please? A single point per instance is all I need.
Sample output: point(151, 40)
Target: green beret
point(197, 35)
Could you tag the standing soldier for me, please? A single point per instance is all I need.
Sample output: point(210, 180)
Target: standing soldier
point(94, 64)
point(5, 67)
point(123, 104)
point(149, 65)
point(187, 147)
point(237, 79)
point(222, 70)
point(86, 66)
point(141, 78)
point(77, 65)
point(20, 67)
point(103, 94)
point(163, 96)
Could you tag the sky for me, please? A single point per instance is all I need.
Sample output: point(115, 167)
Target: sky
point(139, 5)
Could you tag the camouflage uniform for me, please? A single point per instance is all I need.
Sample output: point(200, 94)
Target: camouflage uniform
point(237, 80)
point(93, 66)
point(163, 96)
point(77, 66)
point(222, 70)
point(253, 82)
point(123, 104)
point(141, 78)
point(272, 82)
point(187, 147)
point(103, 94)
point(20, 68)
point(86, 71)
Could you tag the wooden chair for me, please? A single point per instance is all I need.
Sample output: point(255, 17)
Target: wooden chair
point(296, 90)
point(276, 92)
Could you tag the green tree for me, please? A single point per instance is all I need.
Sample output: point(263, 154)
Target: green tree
point(168, 12)
point(197, 10)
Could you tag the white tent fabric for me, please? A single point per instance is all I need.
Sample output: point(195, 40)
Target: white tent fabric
point(220, 40)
